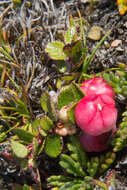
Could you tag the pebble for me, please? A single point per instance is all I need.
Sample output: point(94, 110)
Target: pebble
point(119, 49)
point(125, 24)
point(106, 44)
point(116, 42)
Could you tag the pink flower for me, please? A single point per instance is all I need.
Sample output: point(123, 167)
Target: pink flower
point(95, 143)
point(96, 86)
point(96, 114)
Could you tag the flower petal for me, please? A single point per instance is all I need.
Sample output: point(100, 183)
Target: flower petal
point(95, 116)
point(95, 143)
point(97, 86)
point(84, 113)
point(109, 115)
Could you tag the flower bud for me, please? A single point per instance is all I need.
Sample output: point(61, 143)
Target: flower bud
point(63, 114)
point(96, 86)
point(96, 114)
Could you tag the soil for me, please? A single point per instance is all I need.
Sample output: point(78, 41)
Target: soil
point(46, 20)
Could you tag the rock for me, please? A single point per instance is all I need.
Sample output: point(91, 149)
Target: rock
point(116, 42)
point(95, 33)
point(106, 44)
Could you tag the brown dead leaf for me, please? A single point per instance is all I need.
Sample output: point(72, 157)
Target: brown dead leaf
point(95, 33)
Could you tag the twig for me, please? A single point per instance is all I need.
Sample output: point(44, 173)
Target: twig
point(3, 75)
point(53, 9)
point(5, 11)
point(46, 5)
point(32, 75)
point(10, 63)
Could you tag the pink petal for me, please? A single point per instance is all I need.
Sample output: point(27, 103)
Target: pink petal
point(107, 100)
point(95, 126)
point(97, 86)
point(85, 85)
point(109, 115)
point(84, 112)
point(94, 116)
point(95, 143)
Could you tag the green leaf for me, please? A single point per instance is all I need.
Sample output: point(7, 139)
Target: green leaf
point(55, 50)
point(37, 148)
point(69, 35)
point(87, 61)
point(106, 161)
point(77, 152)
point(71, 166)
point(100, 184)
point(70, 113)
point(92, 166)
point(78, 93)
point(24, 135)
point(73, 50)
point(82, 33)
point(23, 163)
point(14, 83)
point(3, 136)
point(48, 105)
point(53, 145)
point(70, 76)
point(52, 110)
point(121, 137)
point(6, 52)
point(41, 147)
point(42, 132)
point(59, 178)
point(106, 77)
point(76, 48)
point(26, 187)
point(44, 99)
point(71, 185)
point(35, 125)
point(65, 97)
point(65, 182)
point(20, 107)
point(2, 127)
point(68, 50)
point(19, 149)
point(46, 123)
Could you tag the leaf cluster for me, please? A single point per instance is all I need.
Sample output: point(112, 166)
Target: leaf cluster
point(80, 170)
point(118, 80)
point(68, 95)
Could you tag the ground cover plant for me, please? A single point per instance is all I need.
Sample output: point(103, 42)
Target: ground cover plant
point(63, 122)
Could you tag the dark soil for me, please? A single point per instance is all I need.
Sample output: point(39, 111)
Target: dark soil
point(46, 23)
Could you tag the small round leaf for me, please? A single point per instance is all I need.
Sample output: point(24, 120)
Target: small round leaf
point(53, 145)
point(19, 149)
